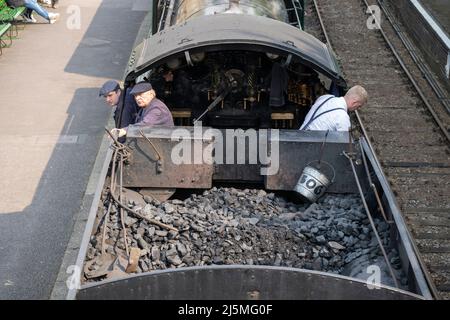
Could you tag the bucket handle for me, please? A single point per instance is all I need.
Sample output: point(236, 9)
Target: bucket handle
point(329, 165)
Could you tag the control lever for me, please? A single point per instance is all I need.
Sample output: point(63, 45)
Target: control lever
point(213, 104)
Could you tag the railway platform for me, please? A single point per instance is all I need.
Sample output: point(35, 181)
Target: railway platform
point(52, 123)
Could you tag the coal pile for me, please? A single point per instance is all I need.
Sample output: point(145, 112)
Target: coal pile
point(226, 226)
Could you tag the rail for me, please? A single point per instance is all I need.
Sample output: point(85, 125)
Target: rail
point(425, 282)
point(444, 40)
point(413, 81)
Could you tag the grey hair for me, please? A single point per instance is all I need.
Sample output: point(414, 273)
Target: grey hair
point(358, 92)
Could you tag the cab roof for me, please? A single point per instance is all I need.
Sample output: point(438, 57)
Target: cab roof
point(231, 32)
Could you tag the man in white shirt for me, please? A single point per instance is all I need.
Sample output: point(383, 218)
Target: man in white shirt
point(331, 113)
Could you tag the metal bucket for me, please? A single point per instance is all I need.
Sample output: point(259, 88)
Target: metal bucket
point(313, 183)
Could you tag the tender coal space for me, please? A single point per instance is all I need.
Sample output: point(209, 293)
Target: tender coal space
point(225, 226)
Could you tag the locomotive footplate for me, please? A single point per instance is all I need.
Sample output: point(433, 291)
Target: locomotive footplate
point(195, 157)
point(168, 158)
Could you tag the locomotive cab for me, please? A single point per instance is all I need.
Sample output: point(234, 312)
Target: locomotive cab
point(224, 66)
point(238, 89)
point(231, 67)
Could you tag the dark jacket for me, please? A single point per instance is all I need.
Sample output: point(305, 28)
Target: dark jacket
point(15, 3)
point(130, 110)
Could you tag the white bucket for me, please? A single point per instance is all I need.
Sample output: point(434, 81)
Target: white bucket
point(313, 183)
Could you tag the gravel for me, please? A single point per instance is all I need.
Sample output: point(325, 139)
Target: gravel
point(226, 226)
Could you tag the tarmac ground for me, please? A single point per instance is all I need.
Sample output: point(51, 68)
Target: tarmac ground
point(52, 122)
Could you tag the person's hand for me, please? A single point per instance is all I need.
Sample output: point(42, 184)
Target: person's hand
point(118, 132)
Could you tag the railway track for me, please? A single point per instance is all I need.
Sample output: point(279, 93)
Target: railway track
point(408, 133)
point(382, 67)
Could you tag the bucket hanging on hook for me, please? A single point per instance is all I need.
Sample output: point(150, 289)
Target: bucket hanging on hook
point(313, 183)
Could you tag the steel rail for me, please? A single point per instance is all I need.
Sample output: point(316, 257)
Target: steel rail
point(322, 25)
point(424, 282)
point(420, 261)
point(421, 65)
point(438, 122)
point(408, 73)
point(351, 161)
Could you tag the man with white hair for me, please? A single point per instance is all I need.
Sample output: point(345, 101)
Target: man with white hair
point(331, 113)
point(153, 112)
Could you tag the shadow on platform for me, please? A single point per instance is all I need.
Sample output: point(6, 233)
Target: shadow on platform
point(33, 242)
point(108, 42)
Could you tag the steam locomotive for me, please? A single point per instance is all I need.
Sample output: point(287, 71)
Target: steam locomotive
point(249, 67)
point(243, 65)
point(251, 58)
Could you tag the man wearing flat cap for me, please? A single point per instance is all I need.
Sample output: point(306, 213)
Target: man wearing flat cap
point(153, 112)
point(114, 97)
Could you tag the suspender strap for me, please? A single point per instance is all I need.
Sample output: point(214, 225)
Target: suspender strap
point(314, 117)
point(325, 113)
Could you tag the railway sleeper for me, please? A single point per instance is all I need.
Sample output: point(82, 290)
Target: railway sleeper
point(438, 261)
point(412, 119)
point(433, 246)
point(425, 139)
point(420, 171)
point(431, 232)
point(379, 73)
point(405, 154)
point(428, 196)
point(429, 220)
point(395, 107)
point(378, 123)
point(414, 131)
point(413, 203)
point(414, 191)
point(390, 110)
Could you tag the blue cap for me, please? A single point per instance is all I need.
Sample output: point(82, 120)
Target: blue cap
point(109, 86)
point(141, 87)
